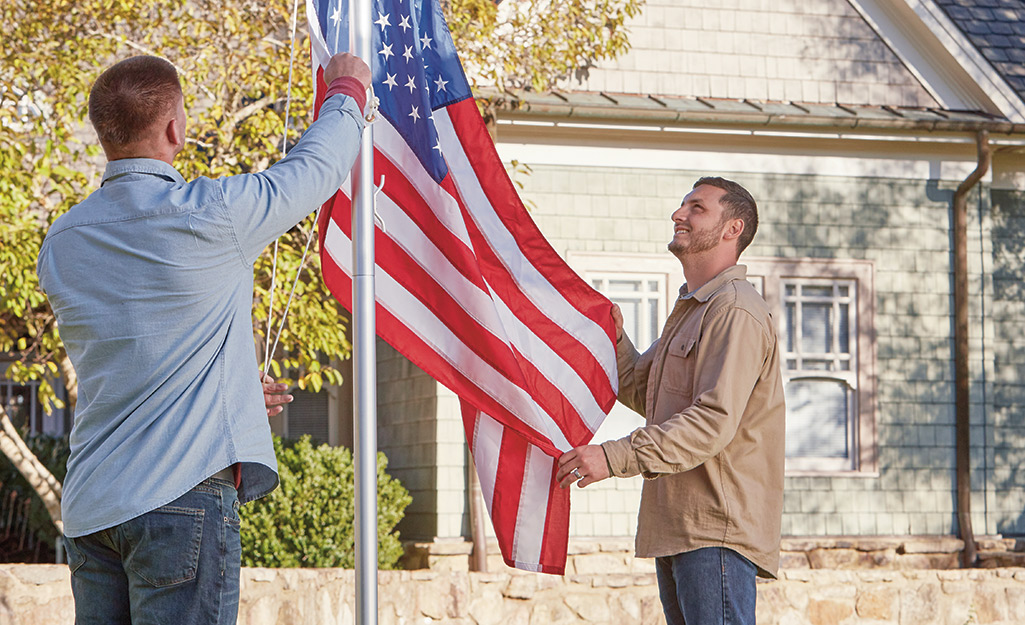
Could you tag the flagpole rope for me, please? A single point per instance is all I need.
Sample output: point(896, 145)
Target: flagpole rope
point(370, 116)
point(268, 350)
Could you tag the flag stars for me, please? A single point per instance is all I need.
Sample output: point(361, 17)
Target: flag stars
point(336, 17)
point(408, 54)
point(390, 81)
point(411, 83)
point(440, 84)
point(425, 41)
point(414, 114)
point(405, 23)
point(382, 20)
point(386, 51)
point(437, 146)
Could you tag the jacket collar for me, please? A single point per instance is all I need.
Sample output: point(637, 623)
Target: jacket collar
point(151, 166)
point(707, 290)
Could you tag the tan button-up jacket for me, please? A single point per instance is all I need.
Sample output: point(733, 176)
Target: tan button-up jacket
point(712, 449)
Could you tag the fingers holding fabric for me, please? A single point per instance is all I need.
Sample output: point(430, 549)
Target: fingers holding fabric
point(584, 465)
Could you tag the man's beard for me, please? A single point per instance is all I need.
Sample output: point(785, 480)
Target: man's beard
point(701, 241)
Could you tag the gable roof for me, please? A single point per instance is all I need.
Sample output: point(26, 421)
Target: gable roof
point(997, 29)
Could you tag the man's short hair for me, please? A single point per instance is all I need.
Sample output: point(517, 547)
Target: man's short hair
point(129, 97)
point(739, 204)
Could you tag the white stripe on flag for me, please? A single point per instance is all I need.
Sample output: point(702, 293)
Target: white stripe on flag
point(413, 314)
point(534, 285)
point(533, 509)
point(487, 446)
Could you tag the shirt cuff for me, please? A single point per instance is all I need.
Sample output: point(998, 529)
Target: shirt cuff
point(619, 455)
point(347, 85)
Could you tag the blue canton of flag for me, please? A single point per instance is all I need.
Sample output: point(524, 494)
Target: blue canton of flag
point(415, 68)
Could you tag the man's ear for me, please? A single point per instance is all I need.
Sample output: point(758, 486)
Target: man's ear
point(174, 133)
point(733, 230)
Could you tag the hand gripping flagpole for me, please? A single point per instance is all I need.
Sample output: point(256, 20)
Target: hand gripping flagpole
point(364, 348)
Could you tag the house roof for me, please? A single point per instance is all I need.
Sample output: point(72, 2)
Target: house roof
point(997, 29)
point(584, 106)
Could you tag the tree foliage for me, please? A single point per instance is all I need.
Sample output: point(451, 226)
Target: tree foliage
point(308, 520)
point(533, 44)
point(234, 59)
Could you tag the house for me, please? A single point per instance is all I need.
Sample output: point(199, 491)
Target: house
point(853, 123)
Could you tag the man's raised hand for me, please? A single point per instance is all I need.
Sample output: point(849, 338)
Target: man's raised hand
point(345, 64)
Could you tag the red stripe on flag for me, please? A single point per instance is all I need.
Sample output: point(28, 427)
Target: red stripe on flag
point(407, 342)
point(571, 350)
point(499, 189)
point(505, 503)
point(555, 543)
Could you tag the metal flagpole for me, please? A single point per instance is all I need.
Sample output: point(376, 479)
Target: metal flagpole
point(364, 332)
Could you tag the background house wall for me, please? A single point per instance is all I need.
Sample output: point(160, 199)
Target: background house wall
point(599, 190)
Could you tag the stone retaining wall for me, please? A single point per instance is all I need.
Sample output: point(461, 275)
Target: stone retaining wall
point(615, 555)
point(41, 595)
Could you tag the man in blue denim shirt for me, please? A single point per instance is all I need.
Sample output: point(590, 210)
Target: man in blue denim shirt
point(151, 280)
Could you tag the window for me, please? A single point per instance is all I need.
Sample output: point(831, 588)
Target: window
point(823, 309)
point(641, 298)
point(824, 320)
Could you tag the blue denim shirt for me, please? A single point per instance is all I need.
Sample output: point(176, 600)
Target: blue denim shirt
point(151, 280)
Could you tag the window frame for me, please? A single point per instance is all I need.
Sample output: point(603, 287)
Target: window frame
point(863, 432)
point(767, 275)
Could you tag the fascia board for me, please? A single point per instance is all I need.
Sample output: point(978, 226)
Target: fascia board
point(941, 57)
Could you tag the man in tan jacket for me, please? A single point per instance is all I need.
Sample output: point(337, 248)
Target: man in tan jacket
point(712, 448)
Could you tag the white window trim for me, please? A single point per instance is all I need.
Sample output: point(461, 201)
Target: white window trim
point(864, 461)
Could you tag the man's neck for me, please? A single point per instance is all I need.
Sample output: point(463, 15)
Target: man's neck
point(698, 273)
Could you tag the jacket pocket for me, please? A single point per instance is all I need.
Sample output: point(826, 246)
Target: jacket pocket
point(678, 370)
point(164, 545)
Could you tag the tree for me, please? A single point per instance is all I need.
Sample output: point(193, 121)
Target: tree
point(533, 44)
point(234, 59)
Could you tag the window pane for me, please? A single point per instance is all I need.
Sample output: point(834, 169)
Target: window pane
point(791, 364)
point(597, 283)
point(844, 291)
point(631, 309)
point(817, 365)
point(817, 291)
point(845, 330)
point(624, 285)
point(817, 328)
point(652, 286)
point(789, 328)
point(790, 290)
point(652, 320)
point(817, 419)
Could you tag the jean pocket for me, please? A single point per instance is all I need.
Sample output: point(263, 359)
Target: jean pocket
point(164, 545)
point(75, 557)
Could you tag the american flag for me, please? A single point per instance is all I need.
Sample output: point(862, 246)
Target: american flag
point(467, 287)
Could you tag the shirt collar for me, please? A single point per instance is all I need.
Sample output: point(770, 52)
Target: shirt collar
point(706, 290)
point(151, 166)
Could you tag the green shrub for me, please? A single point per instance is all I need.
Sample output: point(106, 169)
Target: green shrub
point(53, 452)
point(308, 520)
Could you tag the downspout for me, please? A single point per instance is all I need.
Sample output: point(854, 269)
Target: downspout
point(962, 381)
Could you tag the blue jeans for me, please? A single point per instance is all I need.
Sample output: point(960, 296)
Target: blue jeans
point(177, 564)
point(710, 586)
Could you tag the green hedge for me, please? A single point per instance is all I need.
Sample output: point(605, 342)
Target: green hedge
point(53, 452)
point(308, 520)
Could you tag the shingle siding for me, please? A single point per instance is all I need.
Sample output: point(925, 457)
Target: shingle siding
point(818, 51)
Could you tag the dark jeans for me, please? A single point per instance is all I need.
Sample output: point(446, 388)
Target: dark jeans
point(710, 586)
point(177, 564)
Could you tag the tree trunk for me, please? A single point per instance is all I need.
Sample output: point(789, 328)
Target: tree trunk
point(37, 475)
point(70, 381)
